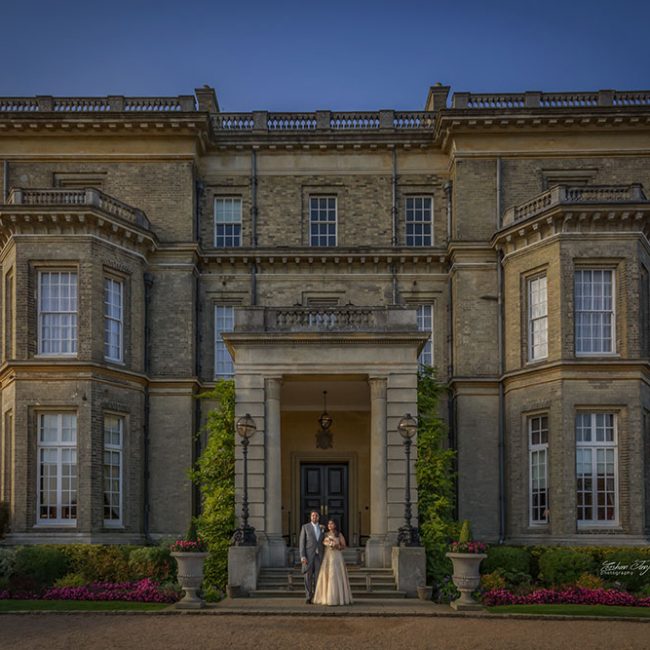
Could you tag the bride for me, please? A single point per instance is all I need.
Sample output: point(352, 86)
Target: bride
point(333, 586)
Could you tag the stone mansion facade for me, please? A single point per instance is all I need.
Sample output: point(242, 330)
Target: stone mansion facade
point(152, 245)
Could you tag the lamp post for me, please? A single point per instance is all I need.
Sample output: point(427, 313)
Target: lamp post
point(245, 534)
point(408, 535)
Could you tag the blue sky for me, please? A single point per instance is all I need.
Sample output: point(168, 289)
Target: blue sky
point(290, 55)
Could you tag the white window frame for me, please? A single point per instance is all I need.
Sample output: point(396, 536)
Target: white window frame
point(594, 446)
point(235, 220)
point(116, 317)
point(536, 451)
point(423, 222)
point(316, 220)
point(612, 311)
point(224, 321)
point(59, 446)
point(424, 326)
point(118, 451)
point(537, 317)
point(42, 314)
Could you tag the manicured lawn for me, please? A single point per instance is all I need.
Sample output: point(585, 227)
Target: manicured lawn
point(572, 610)
point(77, 605)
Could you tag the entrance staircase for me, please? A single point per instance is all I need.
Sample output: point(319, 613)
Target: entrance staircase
point(288, 582)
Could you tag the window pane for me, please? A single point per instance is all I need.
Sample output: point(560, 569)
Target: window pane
point(57, 312)
point(419, 221)
point(227, 222)
point(322, 221)
point(425, 324)
point(594, 311)
point(224, 319)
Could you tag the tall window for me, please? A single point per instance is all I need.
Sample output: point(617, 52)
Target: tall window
point(57, 468)
point(419, 221)
point(113, 446)
point(9, 314)
point(322, 221)
point(425, 324)
point(596, 468)
point(227, 222)
point(537, 319)
point(224, 321)
point(594, 311)
point(57, 312)
point(113, 319)
point(538, 468)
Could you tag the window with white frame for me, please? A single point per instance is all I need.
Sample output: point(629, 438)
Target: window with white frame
point(538, 468)
point(57, 468)
point(425, 324)
point(57, 312)
point(537, 319)
point(113, 319)
point(322, 221)
point(594, 311)
point(596, 468)
point(113, 457)
point(224, 321)
point(419, 221)
point(227, 222)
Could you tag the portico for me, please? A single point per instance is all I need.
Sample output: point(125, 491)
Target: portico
point(366, 360)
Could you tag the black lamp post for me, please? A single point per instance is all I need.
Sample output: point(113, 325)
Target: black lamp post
point(245, 534)
point(408, 535)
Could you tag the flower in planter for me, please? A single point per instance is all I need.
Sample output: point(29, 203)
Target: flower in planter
point(465, 544)
point(187, 546)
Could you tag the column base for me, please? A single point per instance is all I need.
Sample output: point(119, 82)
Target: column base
point(378, 552)
point(274, 551)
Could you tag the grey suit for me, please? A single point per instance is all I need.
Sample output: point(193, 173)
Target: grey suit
point(311, 547)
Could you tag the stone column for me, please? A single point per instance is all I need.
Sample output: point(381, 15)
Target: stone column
point(276, 552)
point(377, 550)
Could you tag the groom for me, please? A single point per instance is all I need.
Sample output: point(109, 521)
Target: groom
point(311, 553)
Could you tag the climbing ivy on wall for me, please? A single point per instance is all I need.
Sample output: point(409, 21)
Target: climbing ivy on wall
point(435, 477)
point(214, 473)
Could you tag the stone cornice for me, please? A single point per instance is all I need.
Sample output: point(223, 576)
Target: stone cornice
point(44, 220)
point(574, 220)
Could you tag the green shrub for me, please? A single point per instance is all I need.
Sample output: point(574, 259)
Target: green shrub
point(628, 567)
point(214, 473)
point(563, 566)
point(37, 567)
point(153, 562)
point(4, 518)
point(97, 563)
point(7, 561)
point(508, 558)
point(71, 580)
point(589, 581)
point(493, 580)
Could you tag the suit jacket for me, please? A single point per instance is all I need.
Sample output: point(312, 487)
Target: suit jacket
point(308, 544)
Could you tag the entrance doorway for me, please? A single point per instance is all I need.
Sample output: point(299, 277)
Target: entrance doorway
point(324, 488)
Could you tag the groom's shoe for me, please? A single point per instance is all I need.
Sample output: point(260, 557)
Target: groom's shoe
point(308, 601)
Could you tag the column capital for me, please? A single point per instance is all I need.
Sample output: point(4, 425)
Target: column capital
point(377, 387)
point(272, 387)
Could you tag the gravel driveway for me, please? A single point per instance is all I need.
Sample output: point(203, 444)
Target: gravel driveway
point(107, 631)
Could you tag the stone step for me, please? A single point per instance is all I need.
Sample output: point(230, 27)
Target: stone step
point(285, 593)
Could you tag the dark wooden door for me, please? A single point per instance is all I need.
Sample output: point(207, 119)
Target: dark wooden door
point(324, 488)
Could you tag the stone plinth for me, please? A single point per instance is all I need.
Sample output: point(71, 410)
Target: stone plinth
point(243, 568)
point(409, 568)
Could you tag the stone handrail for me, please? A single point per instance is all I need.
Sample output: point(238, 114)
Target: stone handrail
point(89, 196)
point(564, 194)
point(551, 100)
point(111, 103)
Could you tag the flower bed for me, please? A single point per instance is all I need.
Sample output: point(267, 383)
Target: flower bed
point(571, 595)
point(142, 591)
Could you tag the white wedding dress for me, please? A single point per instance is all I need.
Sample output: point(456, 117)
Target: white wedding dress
point(333, 586)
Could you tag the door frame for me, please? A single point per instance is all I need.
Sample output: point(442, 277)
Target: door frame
point(353, 501)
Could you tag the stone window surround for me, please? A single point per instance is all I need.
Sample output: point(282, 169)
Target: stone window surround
point(38, 413)
point(53, 266)
point(418, 195)
point(123, 418)
point(551, 177)
point(79, 180)
point(235, 197)
point(600, 265)
point(532, 449)
point(110, 274)
point(586, 525)
point(528, 279)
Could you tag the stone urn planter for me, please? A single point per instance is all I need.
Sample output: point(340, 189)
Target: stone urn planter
point(190, 577)
point(425, 592)
point(466, 578)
